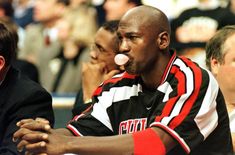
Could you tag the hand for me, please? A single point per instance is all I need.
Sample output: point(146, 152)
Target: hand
point(29, 125)
point(93, 75)
point(22, 137)
point(48, 143)
point(37, 124)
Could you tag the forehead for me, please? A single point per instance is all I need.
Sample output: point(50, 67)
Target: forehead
point(105, 38)
point(130, 25)
point(229, 43)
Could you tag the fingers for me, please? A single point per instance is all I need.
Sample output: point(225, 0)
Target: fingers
point(36, 147)
point(20, 133)
point(38, 119)
point(34, 140)
point(21, 145)
point(42, 120)
point(30, 153)
point(111, 74)
point(23, 121)
point(35, 137)
point(37, 126)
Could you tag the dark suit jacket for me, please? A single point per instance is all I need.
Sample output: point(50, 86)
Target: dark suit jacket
point(20, 98)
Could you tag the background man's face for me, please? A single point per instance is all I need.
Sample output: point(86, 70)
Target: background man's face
point(44, 10)
point(104, 49)
point(226, 71)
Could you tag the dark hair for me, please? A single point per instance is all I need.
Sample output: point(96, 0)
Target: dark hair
point(136, 2)
point(7, 44)
point(111, 25)
point(7, 7)
point(215, 46)
point(65, 2)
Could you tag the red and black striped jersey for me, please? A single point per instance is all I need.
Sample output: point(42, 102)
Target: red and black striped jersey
point(187, 104)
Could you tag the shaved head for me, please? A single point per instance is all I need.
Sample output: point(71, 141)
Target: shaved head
point(151, 18)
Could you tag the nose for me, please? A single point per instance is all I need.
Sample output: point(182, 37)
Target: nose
point(123, 46)
point(93, 54)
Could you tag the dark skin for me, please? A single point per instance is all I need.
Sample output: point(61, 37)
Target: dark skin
point(102, 65)
point(148, 53)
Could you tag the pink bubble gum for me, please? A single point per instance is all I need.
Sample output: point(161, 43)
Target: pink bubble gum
point(121, 59)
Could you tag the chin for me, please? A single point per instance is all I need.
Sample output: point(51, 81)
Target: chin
point(131, 71)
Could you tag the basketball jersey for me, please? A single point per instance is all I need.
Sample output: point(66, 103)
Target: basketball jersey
point(187, 104)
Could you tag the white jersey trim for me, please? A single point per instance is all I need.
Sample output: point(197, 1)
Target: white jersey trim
point(207, 117)
point(107, 98)
point(189, 90)
point(74, 130)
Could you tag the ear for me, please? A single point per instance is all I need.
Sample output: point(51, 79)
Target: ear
point(163, 40)
point(2, 62)
point(215, 65)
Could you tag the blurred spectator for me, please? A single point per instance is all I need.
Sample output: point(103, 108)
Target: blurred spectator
point(41, 44)
point(6, 8)
point(20, 98)
point(194, 27)
point(23, 12)
point(229, 15)
point(172, 8)
point(26, 68)
point(116, 8)
point(220, 59)
point(77, 3)
point(66, 66)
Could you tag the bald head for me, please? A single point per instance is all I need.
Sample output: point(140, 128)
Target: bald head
point(151, 18)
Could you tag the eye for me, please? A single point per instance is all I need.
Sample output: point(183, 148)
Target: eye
point(101, 49)
point(120, 38)
point(133, 37)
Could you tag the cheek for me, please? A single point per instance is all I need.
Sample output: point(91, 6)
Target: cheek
point(226, 76)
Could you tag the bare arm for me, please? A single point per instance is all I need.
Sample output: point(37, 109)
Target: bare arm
point(57, 143)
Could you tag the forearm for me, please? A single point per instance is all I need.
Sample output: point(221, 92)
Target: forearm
point(114, 145)
point(63, 131)
point(154, 139)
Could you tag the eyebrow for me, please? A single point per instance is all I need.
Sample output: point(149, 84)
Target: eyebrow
point(128, 34)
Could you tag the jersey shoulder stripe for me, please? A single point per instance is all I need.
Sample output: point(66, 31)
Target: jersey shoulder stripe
point(115, 79)
point(188, 76)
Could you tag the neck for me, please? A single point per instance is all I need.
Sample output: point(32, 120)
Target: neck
point(230, 100)
point(230, 106)
point(49, 23)
point(152, 78)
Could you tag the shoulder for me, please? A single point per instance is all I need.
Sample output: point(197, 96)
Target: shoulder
point(119, 80)
point(187, 70)
point(22, 87)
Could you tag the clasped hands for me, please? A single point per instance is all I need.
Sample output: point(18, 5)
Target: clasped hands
point(37, 137)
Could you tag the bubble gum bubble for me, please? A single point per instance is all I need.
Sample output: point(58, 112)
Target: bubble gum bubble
point(121, 59)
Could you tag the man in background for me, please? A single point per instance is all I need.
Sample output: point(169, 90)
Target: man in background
point(101, 66)
point(20, 98)
point(41, 45)
point(220, 59)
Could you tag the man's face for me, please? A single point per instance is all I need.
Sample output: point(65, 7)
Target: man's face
point(44, 10)
point(116, 8)
point(104, 49)
point(226, 71)
point(138, 42)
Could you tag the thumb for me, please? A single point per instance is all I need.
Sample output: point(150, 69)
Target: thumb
point(111, 74)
